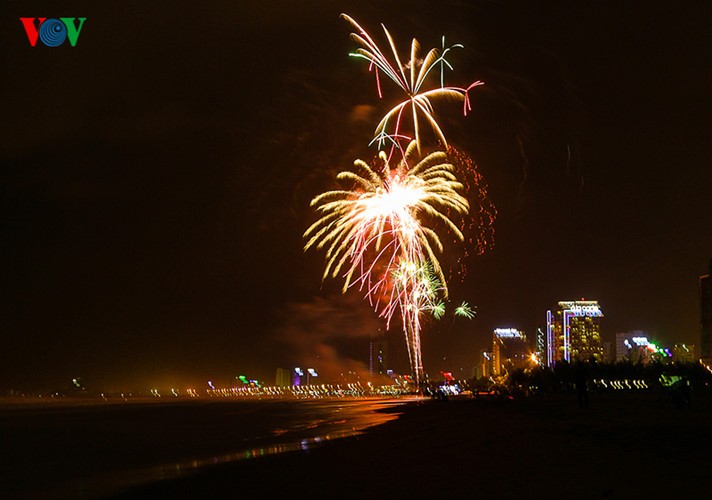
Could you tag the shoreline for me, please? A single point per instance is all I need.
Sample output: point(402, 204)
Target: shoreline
point(546, 447)
point(96, 449)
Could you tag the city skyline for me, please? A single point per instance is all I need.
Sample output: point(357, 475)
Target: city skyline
point(156, 180)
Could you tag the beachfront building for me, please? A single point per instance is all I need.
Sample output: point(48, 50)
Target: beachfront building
point(540, 348)
point(509, 351)
point(683, 353)
point(484, 365)
point(283, 377)
point(706, 316)
point(608, 353)
point(634, 347)
point(630, 345)
point(378, 357)
point(573, 332)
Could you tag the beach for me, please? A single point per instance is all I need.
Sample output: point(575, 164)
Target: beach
point(91, 448)
point(624, 445)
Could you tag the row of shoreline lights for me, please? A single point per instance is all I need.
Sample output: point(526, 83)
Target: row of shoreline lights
point(298, 391)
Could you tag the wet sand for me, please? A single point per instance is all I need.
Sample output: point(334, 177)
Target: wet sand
point(90, 448)
point(626, 445)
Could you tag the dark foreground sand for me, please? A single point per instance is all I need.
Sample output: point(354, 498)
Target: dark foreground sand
point(623, 446)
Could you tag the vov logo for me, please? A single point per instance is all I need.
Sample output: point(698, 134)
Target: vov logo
point(52, 32)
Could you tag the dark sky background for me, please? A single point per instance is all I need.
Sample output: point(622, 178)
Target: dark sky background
point(155, 180)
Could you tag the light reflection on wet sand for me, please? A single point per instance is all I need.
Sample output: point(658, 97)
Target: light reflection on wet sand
point(331, 420)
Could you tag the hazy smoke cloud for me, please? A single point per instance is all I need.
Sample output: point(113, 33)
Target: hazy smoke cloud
point(330, 334)
point(362, 113)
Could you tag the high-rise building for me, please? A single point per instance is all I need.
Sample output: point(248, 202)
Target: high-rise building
point(706, 316)
point(608, 352)
point(573, 332)
point(378, 359)
point(635, 347)
point(283, 377)
point(628, 343)
point(509, 351)
point(540, 349)
point(683, 353)
point(484, 367)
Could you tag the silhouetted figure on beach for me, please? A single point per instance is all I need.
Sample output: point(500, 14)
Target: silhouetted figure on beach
point(582, 385)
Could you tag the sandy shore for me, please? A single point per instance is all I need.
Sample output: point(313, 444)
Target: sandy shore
point(91, 448)
point(623, 445)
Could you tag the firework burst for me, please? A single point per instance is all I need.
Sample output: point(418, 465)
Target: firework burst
point(377, 224)
point(382, 232)
point(411, 78)
point(375, 234)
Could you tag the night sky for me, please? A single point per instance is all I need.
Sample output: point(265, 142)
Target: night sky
point(155, 180)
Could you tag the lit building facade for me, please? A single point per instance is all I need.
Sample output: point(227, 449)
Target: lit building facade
point(706, 316)
point(378, 357)
point(636, 348)
point(683, 353)
point(509, 351)
point(573, 332)
point(540, 348)
point(283, 377)
point(628, 342)
point(484, 367)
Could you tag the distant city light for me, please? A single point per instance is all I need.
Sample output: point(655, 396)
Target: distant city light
point(507, 333)
point(589, 308)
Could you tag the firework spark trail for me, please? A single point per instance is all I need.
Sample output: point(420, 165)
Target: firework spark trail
point(418, 286)
point(465, 311)
point(382, 217)
point(479, 229)
point(419, 100)
point(377, 228)
point(381, 232)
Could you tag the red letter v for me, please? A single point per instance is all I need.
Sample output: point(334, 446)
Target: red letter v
point(32, 32)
